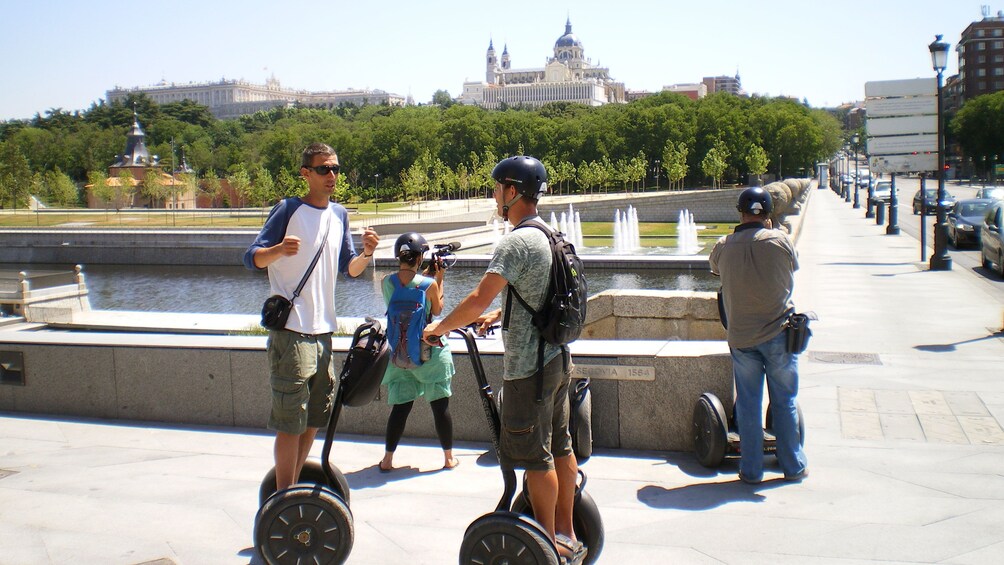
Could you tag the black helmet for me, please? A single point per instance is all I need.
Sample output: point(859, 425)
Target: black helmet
point(756, 201)
point(410, 245)
point(525, 173)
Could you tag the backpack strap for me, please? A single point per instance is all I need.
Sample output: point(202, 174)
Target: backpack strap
point(534, 314)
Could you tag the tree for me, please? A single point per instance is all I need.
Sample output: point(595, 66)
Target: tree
point(262, 187)
point(757, 160)
point(674, 161)
point(715, 163)
point(15, 175)
point(154, 187)
point(59, 189)
point(211, 186)
point(289, 184)
point(240, 181)
point(977, 127)
point(123, 192)
point(442, 98)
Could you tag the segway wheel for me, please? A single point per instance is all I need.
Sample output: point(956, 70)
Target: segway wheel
point(801, 423)
point(311, 474)
point(710, 430)
point(304, 524)
point(506, 537)
point(586, 522)
point(580, 422)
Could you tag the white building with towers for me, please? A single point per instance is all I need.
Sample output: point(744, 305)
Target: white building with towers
point(568, 76)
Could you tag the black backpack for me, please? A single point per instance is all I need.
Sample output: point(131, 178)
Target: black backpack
point(365, 364)
point(563, 315)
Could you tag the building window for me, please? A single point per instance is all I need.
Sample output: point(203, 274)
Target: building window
point(981, 59)
point(999, 58)
point(998, 44)
point(998, 32)
point(981, 45)
point(981, 72)
point(981, 32)
point(981, 85)
point(999, 71)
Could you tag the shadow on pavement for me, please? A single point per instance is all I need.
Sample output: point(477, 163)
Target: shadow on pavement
point(949, 347)
point(705, 496)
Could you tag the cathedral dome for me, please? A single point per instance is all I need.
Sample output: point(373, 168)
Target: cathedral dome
point(569, 39)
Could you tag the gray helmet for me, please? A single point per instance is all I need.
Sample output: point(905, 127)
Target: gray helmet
point(756, 201)
point(527, 174)
point(410, 245)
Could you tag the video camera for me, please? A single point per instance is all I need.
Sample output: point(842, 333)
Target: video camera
point(443, 257)
point(444, 249)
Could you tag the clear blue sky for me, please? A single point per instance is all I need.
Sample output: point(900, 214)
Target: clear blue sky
point(66, 54)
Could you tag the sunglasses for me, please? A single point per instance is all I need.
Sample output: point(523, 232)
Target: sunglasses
point(323, 170)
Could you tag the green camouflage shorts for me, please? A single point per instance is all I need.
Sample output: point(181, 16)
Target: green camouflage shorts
point(302, 375)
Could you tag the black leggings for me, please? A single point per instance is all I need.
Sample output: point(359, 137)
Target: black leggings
point(440, 413)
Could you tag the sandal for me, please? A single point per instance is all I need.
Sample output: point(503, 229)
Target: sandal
point(384, 469)
point(569, 551)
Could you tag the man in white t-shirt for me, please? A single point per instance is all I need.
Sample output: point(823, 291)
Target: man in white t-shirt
point(302, 372)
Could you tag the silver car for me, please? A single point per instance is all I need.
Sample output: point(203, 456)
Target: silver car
point(991, 234)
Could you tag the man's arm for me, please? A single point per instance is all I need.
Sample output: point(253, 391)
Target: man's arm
point(265, 256)
point(470, 308)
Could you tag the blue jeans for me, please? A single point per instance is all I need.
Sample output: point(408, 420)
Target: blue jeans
point(749, 365)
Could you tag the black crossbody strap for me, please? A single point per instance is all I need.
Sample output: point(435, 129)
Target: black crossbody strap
point(317, 256)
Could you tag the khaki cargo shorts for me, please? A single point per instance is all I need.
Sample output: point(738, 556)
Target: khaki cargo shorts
point(534, 434)
point(302, 375)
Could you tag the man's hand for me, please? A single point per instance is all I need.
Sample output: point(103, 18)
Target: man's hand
point(290, 246)
point(487, 320)
point(370, 241)
point(430, 335)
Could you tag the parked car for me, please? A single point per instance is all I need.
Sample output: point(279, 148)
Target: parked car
point(882, 191)
point(994, 193)
point(991, 234)
point(864, 178)
point(965, 219)
point(930, 201)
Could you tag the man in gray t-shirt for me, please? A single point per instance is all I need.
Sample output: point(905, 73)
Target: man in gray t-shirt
point(534, 434)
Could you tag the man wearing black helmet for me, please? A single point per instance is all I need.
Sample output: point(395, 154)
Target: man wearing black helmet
point(534, 434)
point(757, 265)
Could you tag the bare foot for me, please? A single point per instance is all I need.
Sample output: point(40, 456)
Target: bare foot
point(451, 463)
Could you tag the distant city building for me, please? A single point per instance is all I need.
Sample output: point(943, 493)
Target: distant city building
point(732, 85)
point(567, 77)
point(233, 98)
point(694, 91)
point(981, 56)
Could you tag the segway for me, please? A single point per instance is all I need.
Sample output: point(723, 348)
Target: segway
point(310, 522)
point(716, 435)
point(510, 534)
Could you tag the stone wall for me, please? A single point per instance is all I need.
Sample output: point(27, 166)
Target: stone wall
point(654, 314)
point(643, 392)
point(708, 206)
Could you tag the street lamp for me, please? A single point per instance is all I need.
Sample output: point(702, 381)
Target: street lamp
point(656, 170)
point(857, 201)
point(779, 177)
point(940, 261)
point(376, 190)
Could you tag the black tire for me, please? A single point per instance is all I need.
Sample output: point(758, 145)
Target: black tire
point(506, 537)
point(710, 430)
point(310, 474)
point(801, 423)
point(586, 521)
point(1000, 264)
point(304, 524)
point(984, 260)
point(580, 423)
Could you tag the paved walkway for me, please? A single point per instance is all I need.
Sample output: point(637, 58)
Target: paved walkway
point(902, 392)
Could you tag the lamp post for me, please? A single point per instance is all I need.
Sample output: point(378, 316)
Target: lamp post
point(779, 177)
point(993, 171)
point(847, 197)
point(376, 190)
point(940, 261)
point(655, 171)
point(857, 201)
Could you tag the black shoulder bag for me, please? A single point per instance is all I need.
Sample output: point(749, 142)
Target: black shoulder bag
point(276, 309)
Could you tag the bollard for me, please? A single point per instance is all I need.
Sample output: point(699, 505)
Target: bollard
point(879, 213)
